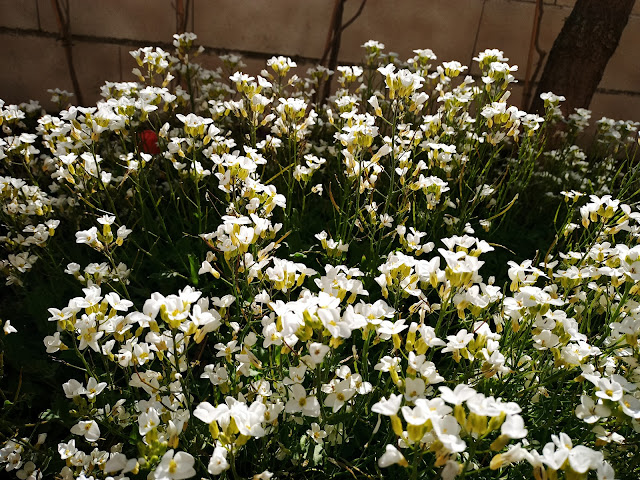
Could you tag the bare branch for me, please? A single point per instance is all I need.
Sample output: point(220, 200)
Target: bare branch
point(64, 19)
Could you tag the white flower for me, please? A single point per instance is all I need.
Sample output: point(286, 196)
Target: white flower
point(296, 374)
point(391, 456)
point(67, 450)
point(107, 219)
point(451, 470)
point(416, 416)
point(218, 462)
point(8, 328)
point(147, 421)
point(461, 393)
point(316, 433)
point(119, 463)
point(607, 436)
point(300, 402)
point(590, 411)
point(249, 419)
point(208, 413)
point(342, 393)
point(609, 389)
point(88, 429)
point(373, 44)
point(94, 388)
point(545, 339)
point(513, 427)
point(317, 352)
point(206, 267)
point(90, 237)
point(448, 431)
point(551, 97)
point(387, 364)
point(386, 220)
point(582, 459)
point(515, 454)
point(73, 388)
point(630, 406)
point(373, 101)
point(122, 233)
point(388, 407)
point(391, 328)
point(266, 475)
point(216, 374)
point(414, 388)
point(175, 467)
point(605, 471)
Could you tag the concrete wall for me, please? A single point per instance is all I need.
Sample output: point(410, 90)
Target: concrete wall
point(104, 31)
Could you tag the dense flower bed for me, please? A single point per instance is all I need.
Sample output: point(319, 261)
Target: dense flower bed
point(265, 285)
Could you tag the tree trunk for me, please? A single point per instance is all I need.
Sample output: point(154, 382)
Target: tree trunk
point(581, 52)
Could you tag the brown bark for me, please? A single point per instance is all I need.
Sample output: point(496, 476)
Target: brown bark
point(182, 15)
point(581, 51)
point(534, 45)
point(64, 27)
point(332, 45)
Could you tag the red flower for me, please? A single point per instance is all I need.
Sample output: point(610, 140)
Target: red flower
point(148, 140)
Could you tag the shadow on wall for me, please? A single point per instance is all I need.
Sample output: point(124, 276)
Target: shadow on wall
point(42, 37)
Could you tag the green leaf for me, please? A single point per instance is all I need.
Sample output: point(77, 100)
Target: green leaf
point(193, 268)
point(48, 415)
point(317, 454)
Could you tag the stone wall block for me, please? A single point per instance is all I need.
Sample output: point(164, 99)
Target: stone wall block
point(412, 24)
point(151, 20)
point(22, 14)
point(507, 25)
point(39, 64)
point(616, 106)
point(623, 69)
point(275, 26)
point(97, 63)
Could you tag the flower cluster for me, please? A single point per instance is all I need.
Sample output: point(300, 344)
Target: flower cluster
point(278, 286)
